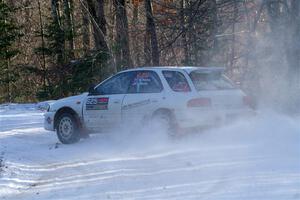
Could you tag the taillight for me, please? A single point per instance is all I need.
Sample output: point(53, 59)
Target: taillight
point(199, 102)
point(248, 101)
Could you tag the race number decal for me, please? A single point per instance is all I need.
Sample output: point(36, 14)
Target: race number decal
point(97, 103)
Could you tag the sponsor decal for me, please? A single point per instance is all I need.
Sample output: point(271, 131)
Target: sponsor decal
point(97, 103)
point(136, 104)
point(142, 78)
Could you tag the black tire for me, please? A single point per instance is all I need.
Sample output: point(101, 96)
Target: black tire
point(167, 121)
point(67, 129)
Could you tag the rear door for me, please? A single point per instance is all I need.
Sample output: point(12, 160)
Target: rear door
point(103, 110)
point(179, 93)
point(144, 96)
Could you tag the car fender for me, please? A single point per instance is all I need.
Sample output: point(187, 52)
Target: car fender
point(74, 102)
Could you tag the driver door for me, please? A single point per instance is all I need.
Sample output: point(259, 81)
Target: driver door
point(102, 111)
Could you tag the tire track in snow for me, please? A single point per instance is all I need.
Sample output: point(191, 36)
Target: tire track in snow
point(183, 159)
point(45, 181)
point(195, 190)
point(42, 174)
point(176, 154)
point(143, 170)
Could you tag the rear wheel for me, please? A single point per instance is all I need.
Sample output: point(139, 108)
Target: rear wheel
point(166, 122)
point(67, 129)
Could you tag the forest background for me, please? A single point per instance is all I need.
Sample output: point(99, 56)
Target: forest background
point(51, 49)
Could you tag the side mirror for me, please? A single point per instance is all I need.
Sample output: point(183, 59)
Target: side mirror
point(92, 90)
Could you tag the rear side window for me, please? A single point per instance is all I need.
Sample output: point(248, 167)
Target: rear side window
point(145, 82)
point(176, 81)
point(210, 81)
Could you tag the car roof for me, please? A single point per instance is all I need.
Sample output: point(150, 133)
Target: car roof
point(188, 69)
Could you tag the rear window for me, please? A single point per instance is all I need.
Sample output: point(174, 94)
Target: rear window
point(176, 81)
point(210, 81)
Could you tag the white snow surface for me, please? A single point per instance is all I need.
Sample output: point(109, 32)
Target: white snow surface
point(258, 158)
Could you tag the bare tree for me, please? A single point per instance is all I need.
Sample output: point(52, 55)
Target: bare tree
point(135, 32)
point(123, 59)
point(43, 44)
point(184, 31)
point(96, 10)
point(68, 26)
point(60, 48)
point(151, 33)
point(233, 30)
point(85, 28)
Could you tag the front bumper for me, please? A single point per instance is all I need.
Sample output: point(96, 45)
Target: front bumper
point(49, 121)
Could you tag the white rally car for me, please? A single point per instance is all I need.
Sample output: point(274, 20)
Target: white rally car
point(181, 97)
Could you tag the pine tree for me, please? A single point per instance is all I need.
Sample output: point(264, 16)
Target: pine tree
point(9, 33)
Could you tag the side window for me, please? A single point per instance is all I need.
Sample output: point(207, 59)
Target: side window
point(176, 81)
point(145, 82)
point(118, 84)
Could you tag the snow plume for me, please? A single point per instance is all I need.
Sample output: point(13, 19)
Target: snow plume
point(141, 136)
point(268, 132)
point(275, 57)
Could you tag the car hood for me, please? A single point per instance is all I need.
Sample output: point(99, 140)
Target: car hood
point(68, 101)
point(72, 98)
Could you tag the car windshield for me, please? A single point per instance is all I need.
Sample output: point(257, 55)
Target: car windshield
point(210, 81)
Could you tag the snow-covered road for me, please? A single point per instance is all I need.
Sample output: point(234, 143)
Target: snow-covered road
point(251, 159)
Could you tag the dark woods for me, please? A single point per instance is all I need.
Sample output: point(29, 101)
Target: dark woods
point(54, 48)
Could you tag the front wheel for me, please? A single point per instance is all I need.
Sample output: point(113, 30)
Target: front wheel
point(67, 129)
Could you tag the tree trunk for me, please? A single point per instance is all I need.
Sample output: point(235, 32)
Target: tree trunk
point(85, 28)
point(151, 31)
point(8, 92)
point(182, 16)
point(68, 26)
point(232, 54)
point(59, 40)
point(135, 18)
point(99, 25)
point(43, 44)
point(123, 59)
point(214, 33)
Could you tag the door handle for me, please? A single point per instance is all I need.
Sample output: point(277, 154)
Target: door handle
point(116, 101)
